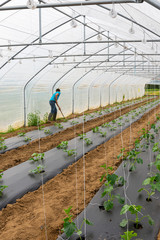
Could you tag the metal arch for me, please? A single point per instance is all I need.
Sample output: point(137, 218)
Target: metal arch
point(116, 79)
point(107, 71)
point(36, 40)
point(84, 76)
point(39, 72)
point(121, 15)
point(89, 88)
point(70, 4)
point(5, 3)
point(77, 65)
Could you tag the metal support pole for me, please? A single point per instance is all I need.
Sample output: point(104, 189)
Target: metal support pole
point(108, 45)
point(70, 4)
point(84, 28)
point(40, 25)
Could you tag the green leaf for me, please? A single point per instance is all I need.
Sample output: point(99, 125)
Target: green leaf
point(141, 189)
point(108, 205)
point(69, 228)
point(88, 222)
point(146, 181)
point(123, 223)
point(124, 209)
point(140, 160)
point(67, 211)
point(134, 209)
point(128, 235)
point(150, 220)
point(112, 178)
point(101, 179)
point(79, 232)
point(157, 186)
point(121, 200)
point(132, 168)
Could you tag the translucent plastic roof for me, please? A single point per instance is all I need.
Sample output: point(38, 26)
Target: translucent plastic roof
point(64, 31)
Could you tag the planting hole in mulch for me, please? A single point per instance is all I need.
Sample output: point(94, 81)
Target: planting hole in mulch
point(149, 199)
point(138, 226)
point(101, 207)
point(82, 238)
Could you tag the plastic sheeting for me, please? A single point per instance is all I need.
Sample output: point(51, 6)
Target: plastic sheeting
point(86, 81)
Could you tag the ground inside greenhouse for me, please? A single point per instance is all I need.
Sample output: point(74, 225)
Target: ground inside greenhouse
point(27, 217)
point(32, 128)
point(16, 156)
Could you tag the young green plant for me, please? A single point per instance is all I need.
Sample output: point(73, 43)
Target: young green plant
point(69, 227)
point(134, 210)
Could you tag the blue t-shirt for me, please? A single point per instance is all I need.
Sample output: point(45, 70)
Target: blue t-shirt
point(53, 98)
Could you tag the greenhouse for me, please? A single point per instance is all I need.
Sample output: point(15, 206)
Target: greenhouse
point(80, 119)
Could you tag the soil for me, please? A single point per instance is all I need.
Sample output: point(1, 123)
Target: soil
point(28, 129)
point(16, 156)
point(39, 215)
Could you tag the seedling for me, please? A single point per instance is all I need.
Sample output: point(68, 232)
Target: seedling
point(122, 154)
point(41, 127)
point(106, 125)
point(59, 125)
point(92, 116)
point(113, 128)
point(114, 121)
point(103, 134)
point(82, 136)
point(88, 141)
point(37, 170)
point(74, 123)
point(21, 134)
point(108, 205)
point(71, 152)
point(1, 174)
point(65, 120)
point(47, 131)
point(111, 180)
point(128, 235)
point(27, 139)
point(2, 144)
point(95, 130)
point(120, 124)
point(133, 209)
point(100, 112)
point(69, 227)
point(133, 155)
point(2, 187)
point(127, 120)
point(156, 148)
point(154, 182)
point(63, 145)
point(120, 118)
point(37, 157)
point(84, 118)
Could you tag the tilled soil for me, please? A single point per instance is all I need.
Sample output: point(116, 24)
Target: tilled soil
point(35, 217)
point(16, 156)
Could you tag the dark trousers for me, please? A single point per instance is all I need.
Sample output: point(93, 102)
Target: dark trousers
point(53, 112)
point(53, 106)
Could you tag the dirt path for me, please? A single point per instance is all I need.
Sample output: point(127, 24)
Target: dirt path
point(28, 129)
point(22, 154)
point(25, 219)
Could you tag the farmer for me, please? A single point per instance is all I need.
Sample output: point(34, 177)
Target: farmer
point(53, 102)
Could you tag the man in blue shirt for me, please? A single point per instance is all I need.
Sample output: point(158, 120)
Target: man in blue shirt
point(53, 102)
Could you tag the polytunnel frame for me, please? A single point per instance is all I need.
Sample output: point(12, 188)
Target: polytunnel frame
point(65, 51)
point(73, 87)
